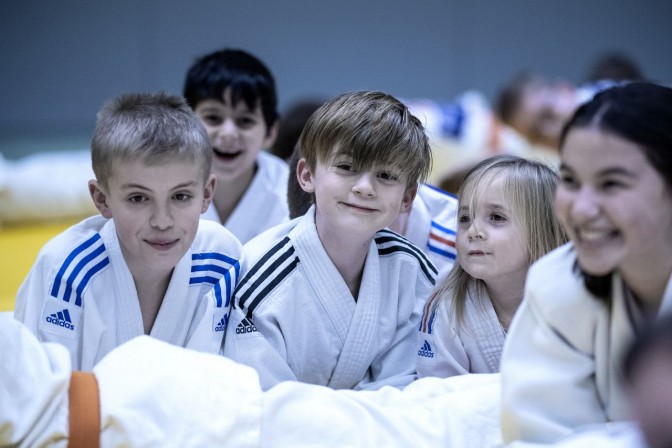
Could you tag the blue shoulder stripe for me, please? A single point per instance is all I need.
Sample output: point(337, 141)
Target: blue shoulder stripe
point(79, 267)
point(218, 270)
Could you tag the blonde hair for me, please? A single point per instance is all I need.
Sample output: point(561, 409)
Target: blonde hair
point(149, 127)
point(529, 188)
point(373, 128)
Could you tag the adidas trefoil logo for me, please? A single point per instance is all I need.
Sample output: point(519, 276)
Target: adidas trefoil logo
point(61, 319)
point(245, 326)
point(426, 350)
point(221, 325)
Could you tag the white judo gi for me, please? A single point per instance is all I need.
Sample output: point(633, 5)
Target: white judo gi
point(294, 318)
point(446, 349)
point(156, 394)
point(80, 292)
point(432, 226)
point(264, 203)
point(561, 364)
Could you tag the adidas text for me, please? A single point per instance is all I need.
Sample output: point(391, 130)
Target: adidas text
point(245, 326)
point(425, 353)
point(60, 323)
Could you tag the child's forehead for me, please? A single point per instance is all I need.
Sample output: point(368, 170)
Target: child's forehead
point(488, 187)
point(361, 159)
point(142, 164)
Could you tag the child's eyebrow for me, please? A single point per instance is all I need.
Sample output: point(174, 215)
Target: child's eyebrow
point(130, 186)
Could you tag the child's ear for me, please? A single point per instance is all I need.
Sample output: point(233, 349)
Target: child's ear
point(272, 135)
point(407, 200)
point(304, 176)
point(209, 192)
point(99, 198)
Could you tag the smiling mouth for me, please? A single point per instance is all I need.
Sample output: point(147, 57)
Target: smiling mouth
point(360, 208)
point(163, 245)
point(594, 236)
point(226, 155)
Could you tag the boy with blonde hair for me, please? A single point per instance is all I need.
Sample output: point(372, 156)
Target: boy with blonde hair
point(333, 297)
point(147, 264)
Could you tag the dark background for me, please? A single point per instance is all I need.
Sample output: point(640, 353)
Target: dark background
point(62, 59)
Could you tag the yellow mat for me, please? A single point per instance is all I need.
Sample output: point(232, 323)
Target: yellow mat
point(19, 245)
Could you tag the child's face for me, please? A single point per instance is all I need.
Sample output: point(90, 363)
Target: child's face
point(614, 205)
point(351, 203)
point(156, 210)
point(237, 134)
point(489, 247)
point(543, 111)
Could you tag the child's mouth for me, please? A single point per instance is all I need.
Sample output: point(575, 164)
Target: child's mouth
point(227, 156)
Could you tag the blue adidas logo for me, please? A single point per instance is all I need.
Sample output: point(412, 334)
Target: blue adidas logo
point(426, 350)
point(61, 319)
point(221, 325)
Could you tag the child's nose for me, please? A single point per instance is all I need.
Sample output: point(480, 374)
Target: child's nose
point(364, 185)
point(585, 205)
point(227, 130)
point(162, 218)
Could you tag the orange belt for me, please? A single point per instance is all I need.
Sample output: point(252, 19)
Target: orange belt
point(84, 411)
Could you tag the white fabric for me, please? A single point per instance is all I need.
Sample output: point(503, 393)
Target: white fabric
point(446, 349)
point(561, 364)
point(432, 226)
point(294, 318)
point(106, 312)
point(155, 394)
point(614, 435)
point(264, 203)
point(49, 185)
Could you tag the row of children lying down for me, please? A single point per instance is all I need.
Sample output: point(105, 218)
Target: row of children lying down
point(329, 298)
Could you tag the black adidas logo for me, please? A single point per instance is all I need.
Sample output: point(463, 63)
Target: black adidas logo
point(426, 350)
point(245, 326)
point(62, 319)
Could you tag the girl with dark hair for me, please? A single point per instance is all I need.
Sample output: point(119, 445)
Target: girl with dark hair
point(585, 302)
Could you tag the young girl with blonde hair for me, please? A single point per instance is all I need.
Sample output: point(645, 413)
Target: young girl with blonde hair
point(506, 222)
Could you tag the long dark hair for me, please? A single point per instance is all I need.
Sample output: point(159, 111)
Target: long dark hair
point(640, 112)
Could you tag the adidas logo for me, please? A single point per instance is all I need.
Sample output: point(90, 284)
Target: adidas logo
point(62, 319)
point(221, 325)
point(426, 350)
point(245, 326)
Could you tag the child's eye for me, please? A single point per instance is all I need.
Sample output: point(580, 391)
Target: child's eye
point(345, 166)
point(498, 217)
point(610, 184)
point(568, 181)
point(211, 119)
point(137, 198)
point(182, 196)
point(464, 219)
point(246, 122)
point(386, 175)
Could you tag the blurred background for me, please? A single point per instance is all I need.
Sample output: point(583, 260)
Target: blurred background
point(62, 59)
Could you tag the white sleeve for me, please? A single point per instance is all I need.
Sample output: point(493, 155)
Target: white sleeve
point(34, 384)
point(459, 411)
point(548, 385)
point(156, 394)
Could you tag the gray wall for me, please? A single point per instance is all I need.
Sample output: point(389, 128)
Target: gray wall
point(62, 59)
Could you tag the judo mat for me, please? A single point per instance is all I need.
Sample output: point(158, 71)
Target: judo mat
point(19, 245)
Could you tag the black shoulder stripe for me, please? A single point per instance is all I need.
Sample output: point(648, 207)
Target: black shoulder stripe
point(422, 257)
point(425, 268)
point(264, 292)
point(257, 276)
point(260, 264)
